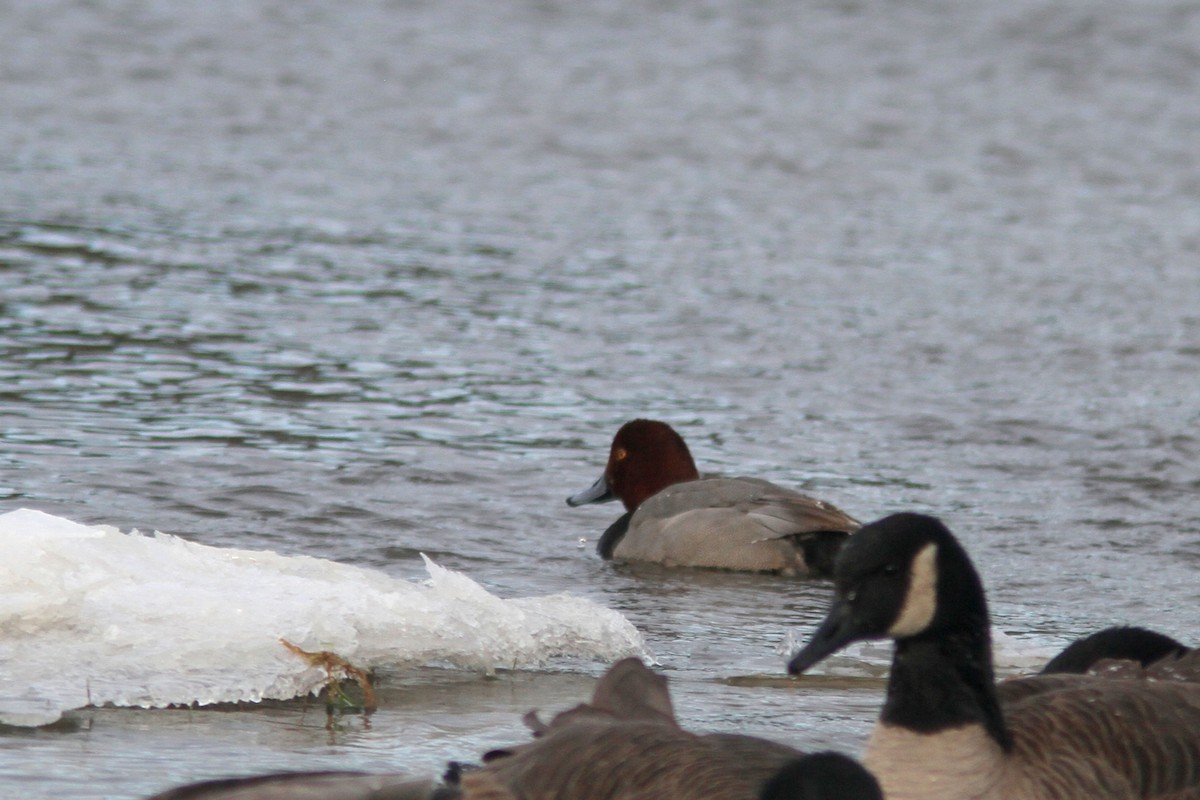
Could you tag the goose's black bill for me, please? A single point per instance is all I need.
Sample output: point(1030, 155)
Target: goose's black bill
point(837, 631)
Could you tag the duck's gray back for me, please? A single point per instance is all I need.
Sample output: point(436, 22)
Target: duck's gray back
point(727, 523)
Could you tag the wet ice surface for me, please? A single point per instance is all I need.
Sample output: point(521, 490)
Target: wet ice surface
point(94, 616)
point(369, 280)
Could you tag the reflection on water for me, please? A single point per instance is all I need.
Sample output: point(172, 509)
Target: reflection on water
point(381, 280)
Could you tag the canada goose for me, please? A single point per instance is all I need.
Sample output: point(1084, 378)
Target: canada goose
point(946, 732)
point(676, 518)
point(624, 745)
point(1125, 643)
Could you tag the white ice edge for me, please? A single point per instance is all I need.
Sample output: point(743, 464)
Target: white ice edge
point(90, 615)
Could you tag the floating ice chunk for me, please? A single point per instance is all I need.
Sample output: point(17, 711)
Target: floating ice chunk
point(90, 615)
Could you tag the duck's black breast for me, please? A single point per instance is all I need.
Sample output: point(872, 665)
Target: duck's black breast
point(613, 535)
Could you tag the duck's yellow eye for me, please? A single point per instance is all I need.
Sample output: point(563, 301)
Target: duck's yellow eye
point(620, 453)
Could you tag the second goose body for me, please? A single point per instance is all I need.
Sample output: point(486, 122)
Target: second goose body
point(946, 733)
point(1128, 652)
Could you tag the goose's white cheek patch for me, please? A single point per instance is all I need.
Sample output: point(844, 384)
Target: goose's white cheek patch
point(920, 603)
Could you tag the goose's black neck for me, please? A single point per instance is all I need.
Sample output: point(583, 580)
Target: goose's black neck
point(945, 681)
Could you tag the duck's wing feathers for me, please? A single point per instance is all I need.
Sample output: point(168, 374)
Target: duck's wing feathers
point(735, 523)
point(779, 511)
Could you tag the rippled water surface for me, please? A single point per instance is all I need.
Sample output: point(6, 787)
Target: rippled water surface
point(368, 279)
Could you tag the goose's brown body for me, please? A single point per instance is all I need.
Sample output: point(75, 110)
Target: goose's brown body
point(1123, 738)
point(1183, 668)
point(1073, 737)
point(631, 761)
point(626, 744)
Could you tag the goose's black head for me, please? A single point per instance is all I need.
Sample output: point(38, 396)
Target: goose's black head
point(901, 577)
point(822, 776)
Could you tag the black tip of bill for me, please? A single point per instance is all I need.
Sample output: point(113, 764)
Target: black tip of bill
point(834, 633)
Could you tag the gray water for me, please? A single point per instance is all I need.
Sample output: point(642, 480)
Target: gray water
point(360, 280)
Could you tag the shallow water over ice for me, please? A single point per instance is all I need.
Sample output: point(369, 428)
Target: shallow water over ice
point(91, 616)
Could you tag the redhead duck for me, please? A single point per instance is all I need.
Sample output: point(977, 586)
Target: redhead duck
point(624, 745)
point(676, 518)
point(947, 731)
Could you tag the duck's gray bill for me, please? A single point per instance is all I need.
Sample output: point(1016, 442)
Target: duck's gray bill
point(598, 492)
